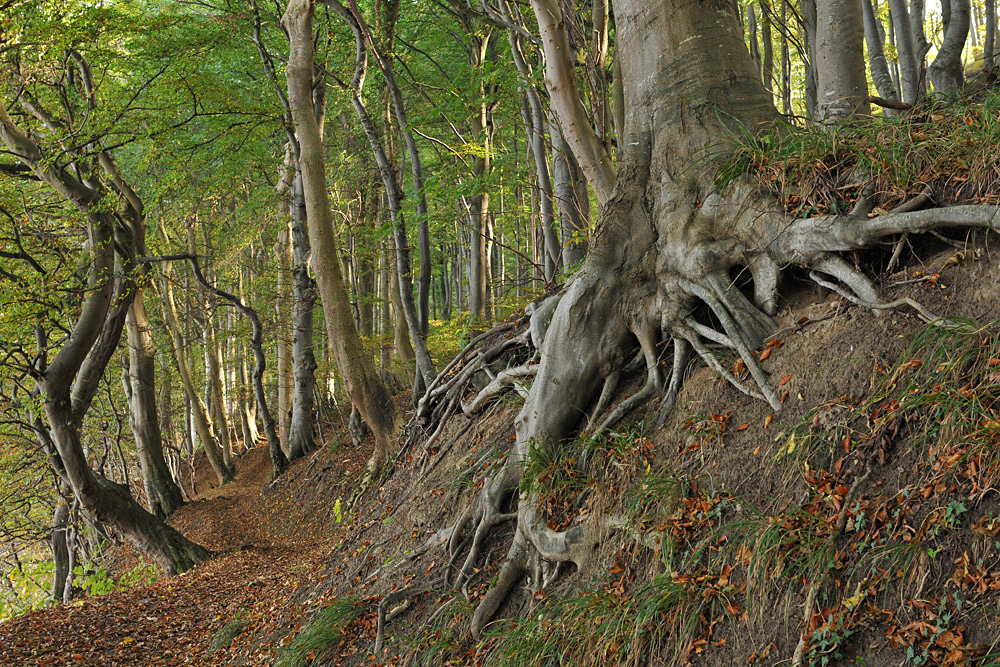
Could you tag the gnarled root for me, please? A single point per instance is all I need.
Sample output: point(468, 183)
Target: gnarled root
point(659, 286)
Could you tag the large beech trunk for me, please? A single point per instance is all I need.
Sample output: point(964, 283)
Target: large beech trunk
point(364, 386)
point(842, 88)
point(665, 244)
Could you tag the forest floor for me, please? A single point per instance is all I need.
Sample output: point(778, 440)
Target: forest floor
point(266, 547)
point(858, 525)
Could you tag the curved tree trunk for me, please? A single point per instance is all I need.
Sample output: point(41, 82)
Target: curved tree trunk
point(876, 57)
point(68, 384)
point(364, 386)
point(947, 73)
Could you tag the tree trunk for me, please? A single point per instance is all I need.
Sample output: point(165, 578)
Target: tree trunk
point(364, 386)
point(62, 574)
point(840, 62)
point(300, 426)
point(570, 188)
point(990, 40)
point(908, 51)
point(283, 248)
point(876, 56)
point(920, 45)
point(115, 225)
point(215, 398)
point(767, 59)
point(479, 203)
point(199, 410)
point(161, 491)
point(807, 17)
point(947, 73)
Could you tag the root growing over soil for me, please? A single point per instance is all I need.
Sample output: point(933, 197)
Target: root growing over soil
point(663, 306)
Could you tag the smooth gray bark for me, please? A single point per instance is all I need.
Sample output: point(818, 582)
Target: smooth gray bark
point(947, 73)
point(842, 91)
point(990, 39)
point(570, 189)
point(162, 493)
point(876, 56)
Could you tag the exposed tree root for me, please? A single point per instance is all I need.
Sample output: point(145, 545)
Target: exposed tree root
point(675, 300)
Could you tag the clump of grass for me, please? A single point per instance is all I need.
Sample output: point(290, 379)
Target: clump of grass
point(445, 637)
point(228, 632)
point(945, 145)
point(662, 621)
point(323, 632)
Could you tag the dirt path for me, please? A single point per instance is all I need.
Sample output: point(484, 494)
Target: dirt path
point(267, 547)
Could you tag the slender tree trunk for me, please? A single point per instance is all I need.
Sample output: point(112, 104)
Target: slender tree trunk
point(920, 45)
point(908, 50)
point(213, 384)
point(62, 573)
point(767, 60)
point(990, 41)
point(283, 248)
point(752, 36)
point(807, 15)
point(876, 56)
point(570, 187)
point(300, 425)
point(479, 203)
point(364, 386)
point(786, 66)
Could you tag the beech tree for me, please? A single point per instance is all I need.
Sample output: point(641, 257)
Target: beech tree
point(114, 216)
point(667, 239)
point(364, 385)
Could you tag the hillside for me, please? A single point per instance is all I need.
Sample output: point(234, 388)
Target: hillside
point(865, 510)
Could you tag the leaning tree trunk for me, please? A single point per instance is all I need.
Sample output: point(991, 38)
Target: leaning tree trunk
point(364, 386)
point(876, 57)
point(947, 72)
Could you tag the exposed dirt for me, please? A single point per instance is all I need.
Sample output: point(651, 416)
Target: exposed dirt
point(287, 554)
